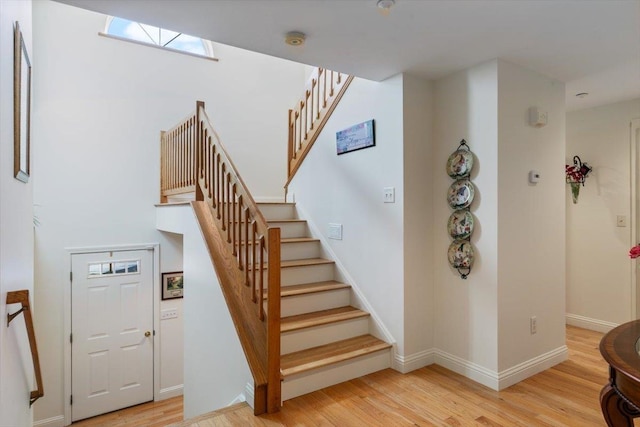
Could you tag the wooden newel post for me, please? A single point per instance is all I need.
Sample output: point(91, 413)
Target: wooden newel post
point(199, 152)
point(274, 393)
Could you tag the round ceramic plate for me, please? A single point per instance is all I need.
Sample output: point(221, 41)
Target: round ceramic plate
point(460, 254)
point(460, 225)
point(460, 194)
point(460, 164)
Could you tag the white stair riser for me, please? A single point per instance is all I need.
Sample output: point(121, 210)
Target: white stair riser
point(306, 274)
point(334, 374)
point(300, 250)
point(307, 303)
point(291, 229)
point(273, 211)
point(324, 334)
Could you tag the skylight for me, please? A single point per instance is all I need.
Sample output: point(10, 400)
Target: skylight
point(125, 29)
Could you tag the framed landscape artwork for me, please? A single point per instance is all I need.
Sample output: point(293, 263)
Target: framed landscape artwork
point(172, 285)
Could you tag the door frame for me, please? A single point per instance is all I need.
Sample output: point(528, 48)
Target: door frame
point(634, 142)
point(66, 279)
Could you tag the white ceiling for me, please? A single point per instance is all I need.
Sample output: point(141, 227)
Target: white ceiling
point(591, 45)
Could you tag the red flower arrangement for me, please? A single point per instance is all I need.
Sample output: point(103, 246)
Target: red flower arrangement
point(634, 252)
point(577, 172)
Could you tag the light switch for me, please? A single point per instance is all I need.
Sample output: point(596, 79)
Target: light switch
point(389, 194)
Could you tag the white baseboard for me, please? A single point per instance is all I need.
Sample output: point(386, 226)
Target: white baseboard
point(405, 364)
point(506, 378)
point(524, 370)
point(589, 323)
point(467, 369)
point(169, 392)
point(239, 399)
point(249, 395)
point(57, 421)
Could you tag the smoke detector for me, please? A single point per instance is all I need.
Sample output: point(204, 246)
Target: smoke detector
point(295, 38)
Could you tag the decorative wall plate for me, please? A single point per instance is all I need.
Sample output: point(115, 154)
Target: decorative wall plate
point(460, 254)
point(460, 163)
point(460, 225)
point(460, 194)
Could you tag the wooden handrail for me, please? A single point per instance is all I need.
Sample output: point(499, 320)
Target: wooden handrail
point(244, 249)
point(306, 120)
point(22, 297)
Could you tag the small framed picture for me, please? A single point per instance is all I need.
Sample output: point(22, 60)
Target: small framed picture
point(172, 285)
point(356, 137)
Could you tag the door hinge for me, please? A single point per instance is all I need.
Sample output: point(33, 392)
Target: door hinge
point(71, 276)
point(71, 400)
point(71, 338)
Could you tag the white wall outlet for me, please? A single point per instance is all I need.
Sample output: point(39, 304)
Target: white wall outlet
point(389, 194)
point(169, 313)
point(621, 221)
point(335, 231)
point(533, 325)
point(534, 177)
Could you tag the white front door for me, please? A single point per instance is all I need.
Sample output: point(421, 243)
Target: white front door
point(112, 331)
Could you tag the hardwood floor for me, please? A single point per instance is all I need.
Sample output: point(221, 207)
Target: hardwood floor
point(566, 395)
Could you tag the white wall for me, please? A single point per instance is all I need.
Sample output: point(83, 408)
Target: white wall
point(347, 189)
point(482, 323)
point(598, 266)
point(215, 370)
point(418, 231)
point(531, 218)
point(466, 313)
point(16, 234)
point(100, 105)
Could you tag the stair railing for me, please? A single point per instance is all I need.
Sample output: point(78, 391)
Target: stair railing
point(244, 249)
point(22, 297)
point(321, 96)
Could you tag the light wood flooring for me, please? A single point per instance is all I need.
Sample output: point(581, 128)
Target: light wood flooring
point(566, 395)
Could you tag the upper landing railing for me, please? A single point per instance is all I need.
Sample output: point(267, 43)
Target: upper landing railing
point(306, 120)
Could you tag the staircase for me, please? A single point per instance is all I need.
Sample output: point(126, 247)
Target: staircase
point(324, 339)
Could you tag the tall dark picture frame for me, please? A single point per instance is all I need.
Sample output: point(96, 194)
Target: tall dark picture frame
point(21, 108)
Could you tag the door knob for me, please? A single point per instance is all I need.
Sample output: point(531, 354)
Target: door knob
point(147, 334)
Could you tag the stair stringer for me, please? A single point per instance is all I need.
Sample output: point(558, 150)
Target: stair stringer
point(377, 327)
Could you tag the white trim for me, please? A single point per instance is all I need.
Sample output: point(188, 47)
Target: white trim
point(57, 421)
point(634, 141)
point(467, 369)
point(155, 247)
point(169, 392)
point(526, 369)
point(589, 323)
point(170, 49)
point(379, 329)
point(249, 395)
point(405, 364)
point(508, 377)
point(239, 399)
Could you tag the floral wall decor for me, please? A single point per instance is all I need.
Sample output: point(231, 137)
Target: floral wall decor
point(575, 175)
point(461, 221)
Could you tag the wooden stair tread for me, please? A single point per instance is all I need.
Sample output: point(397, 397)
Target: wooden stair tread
point(309, 288)
point(323, 317)
point(305, 261)
point(317, 357)
point(288, 240)
point(298, 240)
point(276, 203)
